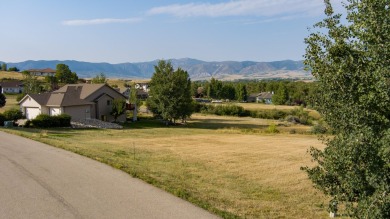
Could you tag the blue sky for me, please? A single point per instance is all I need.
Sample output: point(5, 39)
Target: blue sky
point(118, 31)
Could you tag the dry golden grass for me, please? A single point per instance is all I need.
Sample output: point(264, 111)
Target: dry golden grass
point(210, 162)
point(10, 104)
point(11, 75)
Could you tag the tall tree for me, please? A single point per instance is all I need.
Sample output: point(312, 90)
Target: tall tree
point(4, 67)
point(31, 83)
point(241, 93)
point(281, 96)
point(351, 61)
point(99, 79)
point(65, 75)
point(170, 93)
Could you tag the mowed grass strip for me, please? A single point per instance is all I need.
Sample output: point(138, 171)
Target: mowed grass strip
point(235, 175)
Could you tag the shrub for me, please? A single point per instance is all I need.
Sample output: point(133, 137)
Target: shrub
point(12, 115)
point(64, 120)
point(46, 121)
point(272, 128)
point(319, 128)
point(2, 119)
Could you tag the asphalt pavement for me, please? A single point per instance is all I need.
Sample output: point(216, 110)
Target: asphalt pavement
point(41, 181)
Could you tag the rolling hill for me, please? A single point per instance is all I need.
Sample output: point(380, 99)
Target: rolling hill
point(197, 69)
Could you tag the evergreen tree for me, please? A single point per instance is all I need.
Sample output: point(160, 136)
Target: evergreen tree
point(351, 61)
point(170, 93)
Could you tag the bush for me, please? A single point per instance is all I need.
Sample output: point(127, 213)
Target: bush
point(12, 115)
point(268, 114)
point(64, 120)
point(319, 128)
point(221, 110)
point(2, 119)
point(46, 121)
point(272, 128)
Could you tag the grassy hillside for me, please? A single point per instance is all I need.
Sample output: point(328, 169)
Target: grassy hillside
point(11, 75)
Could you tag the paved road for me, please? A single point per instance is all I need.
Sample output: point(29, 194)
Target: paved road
point(40, 181)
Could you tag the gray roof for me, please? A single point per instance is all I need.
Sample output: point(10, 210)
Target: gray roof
point(265, 95)
point(14, 84)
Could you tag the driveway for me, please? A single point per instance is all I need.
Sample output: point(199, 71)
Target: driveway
point(40, 181)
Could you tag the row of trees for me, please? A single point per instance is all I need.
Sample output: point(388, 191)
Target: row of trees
point(286, 92)
point(4, 68)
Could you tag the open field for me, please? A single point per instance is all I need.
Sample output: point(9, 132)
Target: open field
point(212, 161)
point(11, 75)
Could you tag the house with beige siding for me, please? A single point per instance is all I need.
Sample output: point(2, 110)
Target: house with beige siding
point(80, 101)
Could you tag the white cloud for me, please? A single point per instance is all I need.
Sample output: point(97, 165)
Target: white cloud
point(100, 21)
point(267, 8)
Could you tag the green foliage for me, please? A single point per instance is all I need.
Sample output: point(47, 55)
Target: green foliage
point(170, 93)
point(351, 62)
point(31, 83)
point(47, 121)
point(99, 79)
point(13, 115)
point(65, 75)
point(4, 67)
point(2, 119)
point(13, 69)
point(319, 128)
point(281, 96)
point(2, 100)
point(222, 110)
point(241, 93)
point(272, 128)
point(118, 108)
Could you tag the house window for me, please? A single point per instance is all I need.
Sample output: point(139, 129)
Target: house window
point(108, 102)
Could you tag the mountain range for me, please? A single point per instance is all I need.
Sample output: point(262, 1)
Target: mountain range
point(197, 69)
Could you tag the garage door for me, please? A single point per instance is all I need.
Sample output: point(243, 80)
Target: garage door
point(31, 113)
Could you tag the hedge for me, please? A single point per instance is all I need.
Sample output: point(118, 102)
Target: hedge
point(46, 121)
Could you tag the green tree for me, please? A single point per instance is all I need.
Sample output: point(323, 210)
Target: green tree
point(65, 75)
point(118, 108)
point(241, 93)
point(13, 69)
point(351, 61)
point(170, 93)
point(99, 79)
point(2, 100)
point(133, 99)
point(281, 96)
point(31, 83)
point(4, 67)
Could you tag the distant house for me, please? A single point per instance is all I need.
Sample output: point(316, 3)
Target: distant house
point(42, 72)
point(80, 101)
point(142, 86)
point(263, 97)
point(11, 87)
